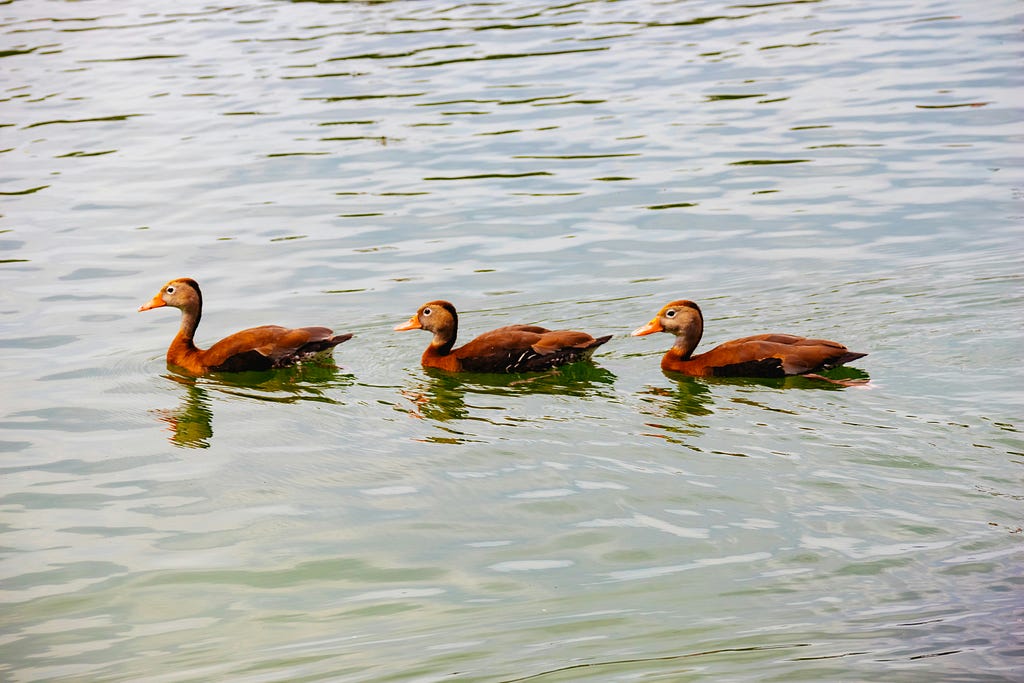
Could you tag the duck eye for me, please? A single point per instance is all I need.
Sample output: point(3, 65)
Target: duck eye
point(670, 313)
point(170, 290)
point(426, 311)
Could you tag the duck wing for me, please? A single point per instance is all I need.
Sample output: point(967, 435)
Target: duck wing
point(775, 355)
point(270, 346)
point(525, 348)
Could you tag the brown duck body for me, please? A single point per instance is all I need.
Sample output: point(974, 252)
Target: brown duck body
point(257, 348)
point(515, 348)
point(762, 355)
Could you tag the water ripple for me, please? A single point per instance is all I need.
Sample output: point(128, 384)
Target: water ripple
point(844, 171)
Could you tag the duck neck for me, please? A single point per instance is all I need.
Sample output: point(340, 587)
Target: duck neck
point(687, 340)
point(186, 333)
point(444, 340)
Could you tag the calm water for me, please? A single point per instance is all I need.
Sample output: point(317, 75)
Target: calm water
point(842, 169)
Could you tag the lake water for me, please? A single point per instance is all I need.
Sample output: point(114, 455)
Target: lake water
point(849, 170)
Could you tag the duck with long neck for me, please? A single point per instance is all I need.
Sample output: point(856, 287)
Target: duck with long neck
point(186, 296)
point(514, 348)
point(686, 322)
point(763, 355)
point(256, 348)
point(445, 326)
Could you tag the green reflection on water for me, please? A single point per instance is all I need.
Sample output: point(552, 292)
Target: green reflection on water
point(443, 395)
point(191, 423)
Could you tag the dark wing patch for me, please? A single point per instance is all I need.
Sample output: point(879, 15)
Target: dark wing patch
point(521, 360)
point(319, 340)
point(847, 357)
point(763, 367)
point(310, 349)
point(245, 361)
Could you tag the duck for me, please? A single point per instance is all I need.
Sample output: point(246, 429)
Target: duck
point(510, 349)
point(257, 348)
point(762, 355)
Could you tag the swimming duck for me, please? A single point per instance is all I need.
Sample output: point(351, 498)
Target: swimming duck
point(763, 355)
point(257, 348)
point(515, 348)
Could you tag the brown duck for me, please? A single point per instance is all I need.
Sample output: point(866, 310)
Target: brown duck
point(515, 348)
point(763, 355)
point(257, 348)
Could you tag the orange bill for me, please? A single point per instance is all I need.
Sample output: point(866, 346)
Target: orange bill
point(649, 328)
point(155, 302)
point(412, 324)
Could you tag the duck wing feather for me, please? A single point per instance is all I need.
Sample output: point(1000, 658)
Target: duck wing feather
point(270, 346)
point(525, 348)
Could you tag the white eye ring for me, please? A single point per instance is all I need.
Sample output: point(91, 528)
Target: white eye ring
point(426, 311)
point(670, 313)
point(170, 290)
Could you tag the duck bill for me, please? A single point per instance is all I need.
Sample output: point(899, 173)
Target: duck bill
point(155, 302)
point(412, 324)
point(649, 328)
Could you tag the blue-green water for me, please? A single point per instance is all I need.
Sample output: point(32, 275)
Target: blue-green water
point(847, 170)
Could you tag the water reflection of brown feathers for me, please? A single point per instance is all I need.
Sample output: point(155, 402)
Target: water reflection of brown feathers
point(680, 406)
point(443, 396)
point(191, 424)
point(683, 403)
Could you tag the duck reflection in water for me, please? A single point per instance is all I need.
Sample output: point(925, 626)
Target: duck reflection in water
point(687, 400)
point(442, 396)
point(191, 423)
point(690, 398)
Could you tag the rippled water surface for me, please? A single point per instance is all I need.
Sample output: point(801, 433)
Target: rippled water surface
point(848, 170)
